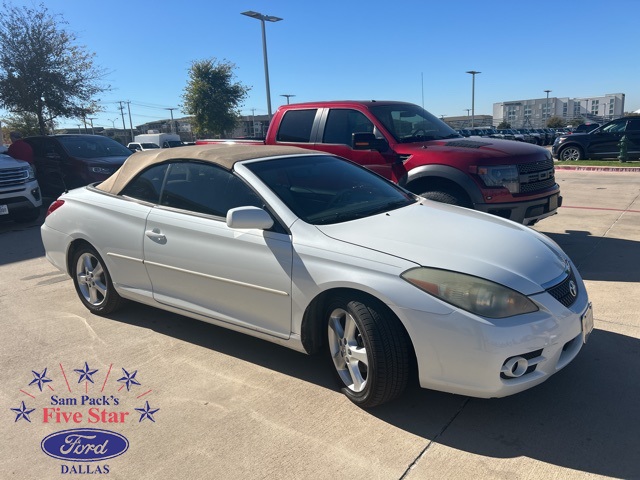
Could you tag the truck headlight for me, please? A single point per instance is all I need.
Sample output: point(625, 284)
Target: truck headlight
point(473, 294)
point(501, 176)
point(31, 174)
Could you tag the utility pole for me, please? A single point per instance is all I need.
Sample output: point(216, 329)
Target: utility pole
point(91, 119)
point(172, 124)
point(122, 115)
point(130, 123)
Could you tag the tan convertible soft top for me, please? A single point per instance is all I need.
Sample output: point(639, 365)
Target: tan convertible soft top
point(224, 155)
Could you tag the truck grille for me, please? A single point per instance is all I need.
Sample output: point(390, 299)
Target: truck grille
point(566, 292)
point(11, 177)
point(536, 176)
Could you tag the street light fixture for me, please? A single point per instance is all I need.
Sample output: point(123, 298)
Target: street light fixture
point(547, 109)
point(263, 18)
point(288, 95)
point(473, 95)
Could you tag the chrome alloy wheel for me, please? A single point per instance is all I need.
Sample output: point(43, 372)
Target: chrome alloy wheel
point(91, 279)
point(347, 349)
point(571, 154)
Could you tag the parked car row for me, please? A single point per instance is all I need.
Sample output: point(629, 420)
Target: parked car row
point(603, 142)
point(536, 136)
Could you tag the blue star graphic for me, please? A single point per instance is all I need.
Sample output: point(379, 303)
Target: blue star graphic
point(146, 412)
point(85, 374)
point(39, 378)
point(129, 379)
point(23, 412)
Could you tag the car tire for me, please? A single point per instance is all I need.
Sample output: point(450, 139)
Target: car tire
point(93, 282)
point(571, 152)
point(369, 351)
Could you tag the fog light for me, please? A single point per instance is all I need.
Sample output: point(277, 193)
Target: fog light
point(515, 367)
point(36, 193)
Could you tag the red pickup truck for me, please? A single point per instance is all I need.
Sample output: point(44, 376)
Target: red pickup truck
point(406, 144)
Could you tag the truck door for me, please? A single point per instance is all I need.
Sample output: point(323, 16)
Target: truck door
point(337, 127)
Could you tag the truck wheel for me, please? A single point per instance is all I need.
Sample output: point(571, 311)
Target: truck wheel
point(369, 351)
point(572, 152)
point(445, 196)
point(93, 282)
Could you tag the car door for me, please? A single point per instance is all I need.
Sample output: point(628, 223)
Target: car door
point(197, 263)
point(48, 159)
point(605, 141)
point(632, 132)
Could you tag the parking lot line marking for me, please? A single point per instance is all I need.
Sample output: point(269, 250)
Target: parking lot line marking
point(600, 208)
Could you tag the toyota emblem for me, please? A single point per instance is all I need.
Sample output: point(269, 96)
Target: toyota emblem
point(573, 289)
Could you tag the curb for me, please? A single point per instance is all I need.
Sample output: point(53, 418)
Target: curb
point(588, 168)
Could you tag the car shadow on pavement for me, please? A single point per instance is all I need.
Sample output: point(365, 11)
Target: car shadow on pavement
point(601, 258)
point(585, 417)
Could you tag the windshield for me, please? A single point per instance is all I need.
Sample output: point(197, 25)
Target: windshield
point(323, 190)
point(89, 146)
point(149, 145)
point(411, 123)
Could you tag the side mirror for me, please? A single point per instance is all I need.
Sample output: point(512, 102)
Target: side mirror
point(249, 217)
point(368, 141)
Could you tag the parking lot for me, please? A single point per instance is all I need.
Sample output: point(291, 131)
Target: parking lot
point(211, 403)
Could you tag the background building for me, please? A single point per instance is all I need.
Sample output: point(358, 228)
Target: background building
point(535, 113)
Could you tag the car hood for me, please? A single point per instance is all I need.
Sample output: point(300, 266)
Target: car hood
point(9, 162)
point(475, 149)
point(442, 236)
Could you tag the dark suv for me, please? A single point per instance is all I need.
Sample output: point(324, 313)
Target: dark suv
point(69, 161)
point(603, 142)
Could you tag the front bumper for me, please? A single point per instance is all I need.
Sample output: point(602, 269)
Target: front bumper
point(464, 354)
point(525, 213)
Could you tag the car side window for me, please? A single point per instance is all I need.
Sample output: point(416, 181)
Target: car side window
point(147, 185)
point(343, 123)
point(296, 126)
point(634, 125)
point(204, 188)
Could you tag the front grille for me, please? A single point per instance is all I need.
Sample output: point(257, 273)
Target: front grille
point(563, 291)
point(536, 176)
point(539, 185)
point(13, 176)
point(467, 144)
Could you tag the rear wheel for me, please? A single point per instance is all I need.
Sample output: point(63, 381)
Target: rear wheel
point(369, 351)
point(571, 152)
point(93, 282)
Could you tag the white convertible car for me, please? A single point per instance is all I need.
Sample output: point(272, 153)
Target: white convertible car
point(312, 252)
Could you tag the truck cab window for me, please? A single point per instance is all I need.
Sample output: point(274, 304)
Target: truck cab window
point(296, 126)
point(343, 123)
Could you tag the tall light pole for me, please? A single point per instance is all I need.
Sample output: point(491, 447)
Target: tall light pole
point(263, 18)
point(473, 95)
point(288, 95)
point(547, 116)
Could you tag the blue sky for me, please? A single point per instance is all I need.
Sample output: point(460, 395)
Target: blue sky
point(403, 50)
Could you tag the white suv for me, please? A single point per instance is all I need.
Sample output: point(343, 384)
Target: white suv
point(20, 197)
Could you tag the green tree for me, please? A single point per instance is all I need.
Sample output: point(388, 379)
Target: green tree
point(43, 71)
point(556, 122)
point(213, 97)
point(25, 123)
point(504, 124)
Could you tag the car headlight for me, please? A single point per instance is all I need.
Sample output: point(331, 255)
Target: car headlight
point(473, 294)
point(501, 176)
point(31, 174)
point(101, 170)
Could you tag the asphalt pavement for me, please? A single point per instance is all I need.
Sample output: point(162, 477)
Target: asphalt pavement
point(201, 402)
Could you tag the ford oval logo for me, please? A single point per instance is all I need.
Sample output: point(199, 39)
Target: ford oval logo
point(84, 445)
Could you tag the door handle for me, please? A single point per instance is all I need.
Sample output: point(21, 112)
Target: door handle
point(156, 235)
